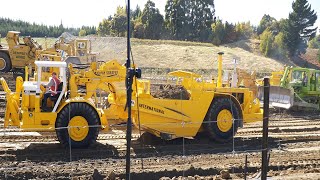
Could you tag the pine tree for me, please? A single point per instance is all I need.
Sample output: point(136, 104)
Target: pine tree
point(298, 29)
point(136, 13)
point(152, 21)
point(190, 19)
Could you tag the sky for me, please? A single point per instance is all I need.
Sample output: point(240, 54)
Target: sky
point(75, 13)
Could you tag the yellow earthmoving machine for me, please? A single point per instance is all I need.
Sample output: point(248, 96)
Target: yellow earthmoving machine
point(77, 51)
point(17, 55)
point(240, 78)
point(78, 113)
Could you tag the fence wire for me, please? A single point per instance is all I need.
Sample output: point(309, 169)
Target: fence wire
point(188, 149)
point(185, 152)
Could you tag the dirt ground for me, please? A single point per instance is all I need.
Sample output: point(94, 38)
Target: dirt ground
point(294, 146)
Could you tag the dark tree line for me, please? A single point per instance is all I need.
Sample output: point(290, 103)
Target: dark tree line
point(194, 20)
point(191, 20)
point(36, 30)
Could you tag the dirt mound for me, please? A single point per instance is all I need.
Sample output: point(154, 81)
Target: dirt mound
point(167, 91)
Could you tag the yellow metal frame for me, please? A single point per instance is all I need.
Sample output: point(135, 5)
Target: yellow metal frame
point(174, 117)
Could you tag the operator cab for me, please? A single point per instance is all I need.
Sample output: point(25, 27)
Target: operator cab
point(33, 87)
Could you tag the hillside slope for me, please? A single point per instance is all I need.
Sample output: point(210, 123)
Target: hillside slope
point(182, 55)
point(171, 55)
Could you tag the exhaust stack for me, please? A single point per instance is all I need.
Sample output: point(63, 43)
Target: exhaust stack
point(219, 82)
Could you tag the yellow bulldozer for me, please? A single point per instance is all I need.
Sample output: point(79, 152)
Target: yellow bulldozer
point(77, 116)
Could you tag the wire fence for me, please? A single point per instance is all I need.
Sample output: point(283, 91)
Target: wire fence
point(183, 151)
point(187, 154)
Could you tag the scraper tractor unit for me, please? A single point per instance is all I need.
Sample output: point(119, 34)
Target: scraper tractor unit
point(78, 112)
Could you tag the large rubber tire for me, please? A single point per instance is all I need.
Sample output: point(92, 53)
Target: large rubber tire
point(219, 124)
point(69, 115)
point(5, 62)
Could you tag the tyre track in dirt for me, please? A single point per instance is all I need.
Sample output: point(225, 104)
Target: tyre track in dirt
point(163, 166)
point(283, 135)
point(294, 141)
point(163, 147)
point(170, 159)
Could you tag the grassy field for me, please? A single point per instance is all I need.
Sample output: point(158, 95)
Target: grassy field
point(183, 55)
point(41, 41)
point(166, 55)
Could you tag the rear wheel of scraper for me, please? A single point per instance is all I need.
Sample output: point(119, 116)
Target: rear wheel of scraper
point(5, 62)
point(222, 120)
point(78, 124)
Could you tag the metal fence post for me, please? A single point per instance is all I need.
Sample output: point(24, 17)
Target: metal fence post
point(264, 168)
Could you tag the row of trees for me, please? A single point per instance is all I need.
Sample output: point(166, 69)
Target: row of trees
point(223, 33)
point(35, 30)
point(288, 37)
point(191, 20)
point(194, 20)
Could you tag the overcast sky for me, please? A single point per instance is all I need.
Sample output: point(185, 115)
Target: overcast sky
point(74, 13)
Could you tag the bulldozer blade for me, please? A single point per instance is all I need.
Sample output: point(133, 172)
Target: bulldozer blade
point(278, 97)
point(305, 106)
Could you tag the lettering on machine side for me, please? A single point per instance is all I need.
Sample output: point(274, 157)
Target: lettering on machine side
point(151, 108)
point(106, 73)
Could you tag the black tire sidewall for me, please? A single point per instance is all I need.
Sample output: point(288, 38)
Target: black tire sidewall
point(77, 109)
point(7, 60)
point(211, 125)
